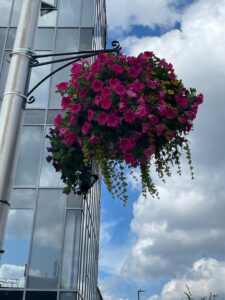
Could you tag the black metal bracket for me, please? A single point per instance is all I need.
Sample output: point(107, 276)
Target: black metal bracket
point(74, 57)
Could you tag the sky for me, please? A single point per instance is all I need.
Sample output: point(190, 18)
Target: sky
point(163, 245)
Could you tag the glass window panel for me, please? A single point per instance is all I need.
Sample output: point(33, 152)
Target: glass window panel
point(69, 13)
point(71, 250)
point(75, 201)
point(4, 73)
point(44, 39)
point(16, 12)
point(52, 113)
point(67, 40)
point(2, 42)
point(41, 94)
point(87, 13)
point(47, 18)
point(47, 240)
point(5, 12)
point(23, 198)
point(17, 242)
point(34, 116)
point(50, 2)
point(10, 38)
point(49, 177)
point(29, 156)
point(86, 38)
point(67, 296)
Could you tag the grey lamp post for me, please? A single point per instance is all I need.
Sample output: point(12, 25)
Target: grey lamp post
point(12, 111)
point(139, 292)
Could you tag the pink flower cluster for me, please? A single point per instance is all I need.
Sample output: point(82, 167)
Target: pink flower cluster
point(129, 106)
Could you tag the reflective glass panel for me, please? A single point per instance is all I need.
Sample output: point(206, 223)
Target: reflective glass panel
point(74, 201)
point(71, 250)
point(5, 12)
point(23, 198)
point(2, 41)
point(86, 38)
point(52, 113)
point(49, 177)
point(67, 296)
point(69, 13)
point(10, 38)
point(41, 94)
point(29, 155)
point(4, 73)
point(47, 240)
point(44, 39)
point(47, 18)
point(67, 40)
point(18, 232)
point(87, 13)
point(16, 12)
point(34, 116)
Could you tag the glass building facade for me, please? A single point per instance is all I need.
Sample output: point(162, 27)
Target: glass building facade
point(52, 240)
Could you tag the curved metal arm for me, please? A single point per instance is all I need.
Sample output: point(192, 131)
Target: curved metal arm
point(73, 59)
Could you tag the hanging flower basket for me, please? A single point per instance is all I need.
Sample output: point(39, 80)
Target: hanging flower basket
point(122, 113)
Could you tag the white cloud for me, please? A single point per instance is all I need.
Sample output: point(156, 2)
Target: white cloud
point(186, 223)
point(122, 14)
point(11, 275)
point(206, 276)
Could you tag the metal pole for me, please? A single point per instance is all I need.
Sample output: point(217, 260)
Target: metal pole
point(12, 111)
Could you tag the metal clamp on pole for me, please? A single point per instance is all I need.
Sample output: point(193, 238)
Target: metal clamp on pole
point(23, 51)
point(18, 94)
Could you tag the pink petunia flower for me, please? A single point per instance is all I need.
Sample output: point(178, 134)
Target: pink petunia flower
point(66, 101)
point(113, 82)
point(130, 159)
point(70, 137)
point(182, 101)
point(136, 86)
point(117, 69)
point(94, 139)
point(113, 120)
point(153, 119)
point(85, 128)
point(106, 91)
point(199, 99)
point(72, 120)
point(102, 118)
point(105, 103)
point(170, 113)
point(90, 115)
point(95, 67)
point(133, 72)
point(159, 129)
point(75, 108)
point(83, 93)
point(97, 85)
point(62, 86)
point(129, 116)
point(146, 127)
point(120, 89)
point(57, 120)
point(127, 144)
point(76, 69)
